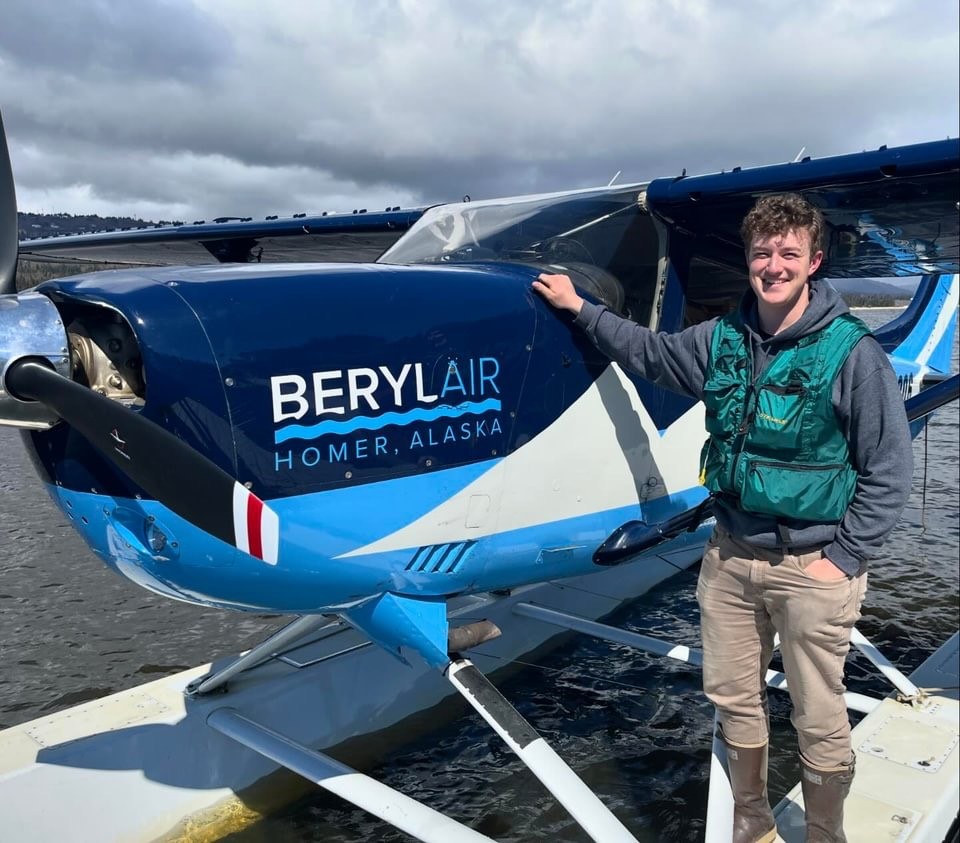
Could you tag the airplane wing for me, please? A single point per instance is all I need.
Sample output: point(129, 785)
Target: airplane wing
point(889, 212)
point(356, 237)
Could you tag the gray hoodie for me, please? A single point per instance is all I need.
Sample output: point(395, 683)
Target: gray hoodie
point(866, 399)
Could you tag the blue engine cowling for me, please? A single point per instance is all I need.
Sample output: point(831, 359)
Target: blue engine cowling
point(299, 380)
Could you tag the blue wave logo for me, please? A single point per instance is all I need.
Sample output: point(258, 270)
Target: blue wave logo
point(419, 414)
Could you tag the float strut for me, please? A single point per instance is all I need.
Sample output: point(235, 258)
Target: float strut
point(570, 791)
point(390, 805)
point(907, 689)
point(277, 642)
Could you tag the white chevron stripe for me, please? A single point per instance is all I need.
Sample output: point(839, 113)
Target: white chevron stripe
point(603, 452)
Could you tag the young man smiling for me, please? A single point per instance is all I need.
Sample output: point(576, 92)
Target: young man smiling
point(809, 460)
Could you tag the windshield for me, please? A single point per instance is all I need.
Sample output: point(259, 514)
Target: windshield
point(585, 226)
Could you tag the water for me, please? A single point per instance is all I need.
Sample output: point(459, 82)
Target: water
point(70, 629)
point(634, 727)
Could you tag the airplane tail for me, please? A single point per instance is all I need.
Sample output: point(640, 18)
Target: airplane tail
point(921, 339)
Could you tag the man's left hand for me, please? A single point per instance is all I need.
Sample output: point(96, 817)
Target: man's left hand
point(824, 569)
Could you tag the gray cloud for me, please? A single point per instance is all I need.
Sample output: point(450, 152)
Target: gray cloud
point(211, 108)
point(97, 39)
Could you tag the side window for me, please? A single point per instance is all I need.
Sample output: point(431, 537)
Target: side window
point(713, 289)
point(615, 261)
point(634, 263)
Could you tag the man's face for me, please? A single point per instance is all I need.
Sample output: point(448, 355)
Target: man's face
point(780, 266)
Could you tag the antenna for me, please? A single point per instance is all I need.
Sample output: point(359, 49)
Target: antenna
point(800, 154)
point(616, 175)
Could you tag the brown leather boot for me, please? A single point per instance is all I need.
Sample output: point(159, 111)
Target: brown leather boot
point(823, 795)
point(752, 818)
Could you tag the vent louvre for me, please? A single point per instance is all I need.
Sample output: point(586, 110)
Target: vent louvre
point(440, 558)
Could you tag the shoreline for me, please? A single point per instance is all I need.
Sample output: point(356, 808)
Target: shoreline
point(881, 307)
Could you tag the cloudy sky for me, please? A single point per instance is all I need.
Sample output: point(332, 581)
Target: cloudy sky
point(186, 109)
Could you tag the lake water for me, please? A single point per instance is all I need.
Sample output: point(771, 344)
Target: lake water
point(636, 728)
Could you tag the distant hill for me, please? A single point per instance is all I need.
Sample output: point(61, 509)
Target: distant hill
point(52, 225)
point(897, 288)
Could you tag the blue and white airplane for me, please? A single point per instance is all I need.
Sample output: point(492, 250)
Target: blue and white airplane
point(276, 432)
point(323, 437)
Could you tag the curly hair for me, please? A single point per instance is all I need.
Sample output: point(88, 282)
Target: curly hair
point(780, 213)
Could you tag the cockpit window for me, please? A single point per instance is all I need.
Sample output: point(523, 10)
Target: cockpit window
point(600, 237)
point(533, 228)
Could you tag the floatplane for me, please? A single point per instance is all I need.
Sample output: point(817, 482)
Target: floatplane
point(368, 422)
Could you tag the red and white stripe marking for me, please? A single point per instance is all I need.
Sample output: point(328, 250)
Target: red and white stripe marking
point(255, 525)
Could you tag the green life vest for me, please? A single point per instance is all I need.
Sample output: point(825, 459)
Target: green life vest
point(775, 444)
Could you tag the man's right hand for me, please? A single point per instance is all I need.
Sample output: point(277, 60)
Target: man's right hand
point(559, 291)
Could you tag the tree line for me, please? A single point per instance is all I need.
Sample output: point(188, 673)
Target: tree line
point(30, 273)
point(32, 225)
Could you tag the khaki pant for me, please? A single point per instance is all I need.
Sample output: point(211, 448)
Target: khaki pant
point(746, 594)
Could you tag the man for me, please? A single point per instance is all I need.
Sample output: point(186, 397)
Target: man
point(810, 461)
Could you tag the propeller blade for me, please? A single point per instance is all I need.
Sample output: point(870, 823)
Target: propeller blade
point(168, 469)
point(8, 220)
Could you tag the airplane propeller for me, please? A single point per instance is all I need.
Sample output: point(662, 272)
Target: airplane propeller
point(9, 230)
point(168, 469)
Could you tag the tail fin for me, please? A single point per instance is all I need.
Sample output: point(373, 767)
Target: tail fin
point(921, 339)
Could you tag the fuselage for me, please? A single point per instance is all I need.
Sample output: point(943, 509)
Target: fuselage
point(424, 430)
point(424, 425)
